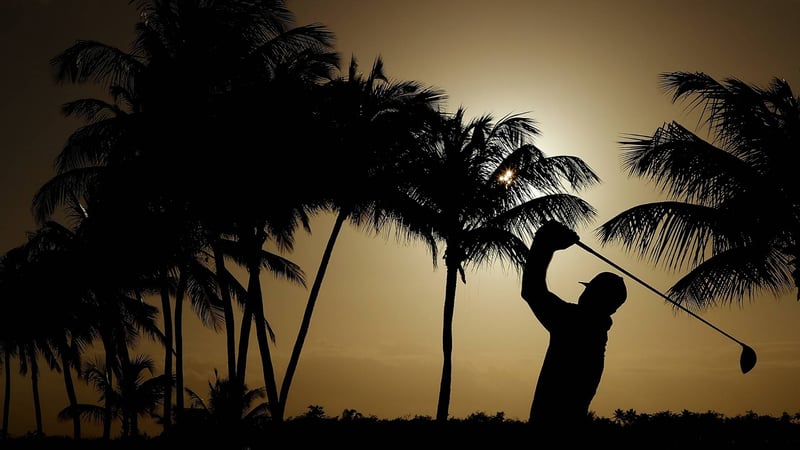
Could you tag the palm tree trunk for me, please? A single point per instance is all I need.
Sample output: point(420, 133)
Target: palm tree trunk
point(108, 336)
point(110, 350)
point(70, 387)
point(254, 298)
point(244, 340)
point(126, 424)
point(443, 408)
point(166, 310)
point(230, 338)
point(179, 296)
point(7, 393)
point(134, 424)
point(306, 323)
point(37, 402)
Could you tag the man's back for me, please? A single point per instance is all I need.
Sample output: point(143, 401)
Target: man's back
point(572, 365)
point(574, 361)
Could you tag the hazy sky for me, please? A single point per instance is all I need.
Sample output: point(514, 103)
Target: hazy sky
point(587, 72)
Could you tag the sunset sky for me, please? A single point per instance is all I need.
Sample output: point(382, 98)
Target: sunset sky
point(587, 72)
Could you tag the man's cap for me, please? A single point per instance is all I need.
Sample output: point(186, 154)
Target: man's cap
point(608, 282)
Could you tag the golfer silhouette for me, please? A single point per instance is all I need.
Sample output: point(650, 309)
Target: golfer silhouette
point(573, 364)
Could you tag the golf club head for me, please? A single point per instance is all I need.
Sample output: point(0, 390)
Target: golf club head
point(748, 359)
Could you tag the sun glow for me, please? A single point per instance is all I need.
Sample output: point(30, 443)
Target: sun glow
point(506, 177)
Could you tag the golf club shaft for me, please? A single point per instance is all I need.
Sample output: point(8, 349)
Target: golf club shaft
point(588, 249)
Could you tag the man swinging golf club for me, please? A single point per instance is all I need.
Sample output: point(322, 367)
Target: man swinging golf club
point(573, 364)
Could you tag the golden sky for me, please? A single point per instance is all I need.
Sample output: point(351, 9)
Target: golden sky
point(587, 72)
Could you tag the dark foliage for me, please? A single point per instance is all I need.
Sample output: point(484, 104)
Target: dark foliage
point(627, 430)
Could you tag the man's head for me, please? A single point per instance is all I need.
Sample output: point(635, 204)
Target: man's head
point(606, 292)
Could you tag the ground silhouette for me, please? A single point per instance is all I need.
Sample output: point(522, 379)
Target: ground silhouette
point(626, 430)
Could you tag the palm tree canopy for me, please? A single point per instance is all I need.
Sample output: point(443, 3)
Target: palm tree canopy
point(368, 122)
point(196, 82)
point(133, 394)
point(230, 403)
point(481, 185)
point(188, 108)
point(732, 214)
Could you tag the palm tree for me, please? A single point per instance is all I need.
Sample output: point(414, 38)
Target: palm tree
point(260, 208)
point(367, 118)
point(31, 335)
point(474, 186)
point(231, 411)
point(99, 282)
point(252, 240)
point(732, 216)
point(116, 289)
point(29, 352)
point(6, 350)
point(199, 284)
point(69, 328)
point(130, 398)
point(120, 319)
point(10, 287)
point(193, 65)
point(22, 335)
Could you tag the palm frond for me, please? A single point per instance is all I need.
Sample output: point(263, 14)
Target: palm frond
point(733, 276)
point(91, 109)
point(89, 60)
point(203, 291)
point(87, 412)
point(485, 245)
point(525, 218)
point(282, 268)
point(678, 234)
point(686, 166)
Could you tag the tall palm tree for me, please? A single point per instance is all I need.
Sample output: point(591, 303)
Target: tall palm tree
point(52, 249)
point(22, 335)
point(476, 186)
point(117, 287)
point(261, 208)
point(198, 283)
point(198, 77)
point(5, 348)
point(29, 352)
point(98, 283)
point(274, 64)
point(10, 286)
point(732, 216)
point(366, 119)
point(252, 240)
point(35, 286)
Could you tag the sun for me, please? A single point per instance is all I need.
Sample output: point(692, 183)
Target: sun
point(506, 177)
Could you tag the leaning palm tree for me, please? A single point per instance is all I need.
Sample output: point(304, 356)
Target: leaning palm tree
point(475, 186)
point(364, 119)
point(261, 209)
point(732, 216)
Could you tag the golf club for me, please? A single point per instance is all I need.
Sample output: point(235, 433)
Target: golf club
point(748, 358)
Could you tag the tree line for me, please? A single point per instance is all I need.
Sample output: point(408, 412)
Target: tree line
point(190, 168)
